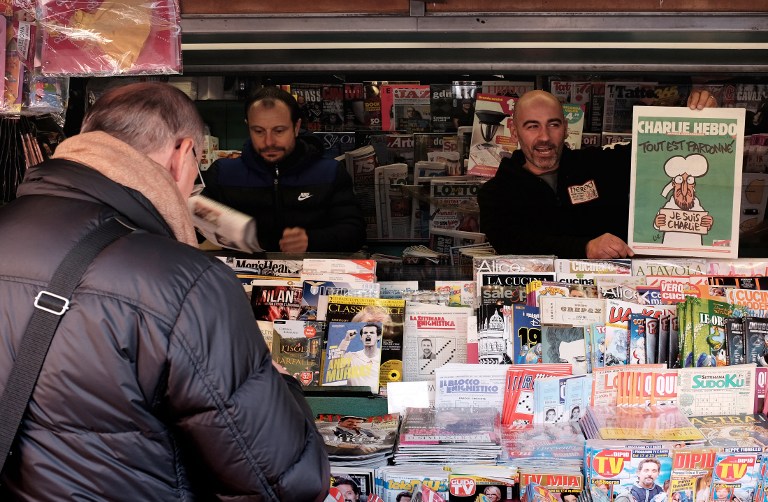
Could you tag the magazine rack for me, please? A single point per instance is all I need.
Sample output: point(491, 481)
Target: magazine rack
point(357, 401)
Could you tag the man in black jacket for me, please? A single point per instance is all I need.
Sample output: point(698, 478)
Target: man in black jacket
point(157, 384)
point(300, 200)
point(547, 199)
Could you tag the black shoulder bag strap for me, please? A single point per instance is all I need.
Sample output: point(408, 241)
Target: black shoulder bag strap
point(50, 306)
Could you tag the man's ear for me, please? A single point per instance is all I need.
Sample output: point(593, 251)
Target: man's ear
point(513, 133)
point(297, 128)
point(178, 159)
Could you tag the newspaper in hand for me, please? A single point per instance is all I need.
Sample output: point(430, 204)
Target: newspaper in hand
point(223, 225)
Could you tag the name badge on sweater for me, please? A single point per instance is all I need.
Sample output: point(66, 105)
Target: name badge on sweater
point(583, 193)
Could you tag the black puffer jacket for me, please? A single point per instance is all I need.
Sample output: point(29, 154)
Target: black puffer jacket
point(157, 385)
point(521, 214)
point(304, 190)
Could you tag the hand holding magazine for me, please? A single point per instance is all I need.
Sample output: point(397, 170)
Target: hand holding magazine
point(223, 225)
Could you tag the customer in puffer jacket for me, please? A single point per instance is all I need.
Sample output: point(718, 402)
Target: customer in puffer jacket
point(158, 384)
point(300, 200)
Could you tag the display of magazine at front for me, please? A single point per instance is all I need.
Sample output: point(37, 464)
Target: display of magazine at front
point(637, 379)
point(454, 372)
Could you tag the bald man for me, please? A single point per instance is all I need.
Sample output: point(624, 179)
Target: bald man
point(547, 199)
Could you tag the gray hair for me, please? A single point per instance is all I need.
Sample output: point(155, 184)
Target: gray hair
point(146, 115)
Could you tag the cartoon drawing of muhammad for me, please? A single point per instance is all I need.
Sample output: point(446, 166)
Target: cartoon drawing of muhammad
point(682, 219)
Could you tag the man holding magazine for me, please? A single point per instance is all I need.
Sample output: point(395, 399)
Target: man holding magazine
point(301, 201)
point(547, 199)
point(157, 384)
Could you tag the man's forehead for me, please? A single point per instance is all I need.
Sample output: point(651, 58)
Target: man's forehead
point(540, 105)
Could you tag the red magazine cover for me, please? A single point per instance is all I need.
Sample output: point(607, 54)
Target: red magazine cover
point(106, 38)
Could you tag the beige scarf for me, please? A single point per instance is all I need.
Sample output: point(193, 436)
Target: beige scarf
point(124, 165)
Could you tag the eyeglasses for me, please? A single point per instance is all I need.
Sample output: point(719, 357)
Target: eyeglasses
point(199, 185)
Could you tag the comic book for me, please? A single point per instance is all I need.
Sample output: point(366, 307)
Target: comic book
point(297, 345)
point(734, 335)
point(564, 344)
point(673, 346)
point(526, 334)
point(756, 338)
point(663, 342)
point(637, 339)
point(708, 332)
point(594, 339)
point(390, 313)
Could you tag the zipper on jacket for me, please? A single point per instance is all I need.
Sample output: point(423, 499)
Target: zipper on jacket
point(276, 196)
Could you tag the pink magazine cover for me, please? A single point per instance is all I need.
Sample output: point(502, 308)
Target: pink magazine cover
point(104, 38)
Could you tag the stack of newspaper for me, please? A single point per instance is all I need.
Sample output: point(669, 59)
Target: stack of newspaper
point(653, 423)
point(555, 442)
point(449, 436)
point(353, 441)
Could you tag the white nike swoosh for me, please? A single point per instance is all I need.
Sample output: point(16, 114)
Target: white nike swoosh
point(304, 197)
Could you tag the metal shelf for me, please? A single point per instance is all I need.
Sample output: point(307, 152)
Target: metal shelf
point(728, 44)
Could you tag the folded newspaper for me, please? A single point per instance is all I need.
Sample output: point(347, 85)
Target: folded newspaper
point(223, 225)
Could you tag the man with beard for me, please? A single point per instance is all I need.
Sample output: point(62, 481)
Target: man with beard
point(301, 201)
point(683, 171)
point(578, 200)
point(645, 489)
